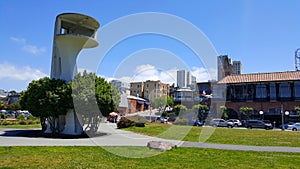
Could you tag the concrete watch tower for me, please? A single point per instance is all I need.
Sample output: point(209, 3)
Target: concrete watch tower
point(72, 33)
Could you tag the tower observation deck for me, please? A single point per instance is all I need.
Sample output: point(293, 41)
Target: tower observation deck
point(72, 33)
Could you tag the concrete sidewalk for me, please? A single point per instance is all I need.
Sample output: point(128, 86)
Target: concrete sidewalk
point(115, 137)
point(111, 137)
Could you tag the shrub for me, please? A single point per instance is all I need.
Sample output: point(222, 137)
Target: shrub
point(140, 124)
point(30, 122)
point(181, 122)
point(23, 122)
point(21, 117)
point(5, 123)
point(31, 117)
point(164, 114)
point(125, 123)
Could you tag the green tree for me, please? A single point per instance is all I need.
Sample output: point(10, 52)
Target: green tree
point(159, 102)
point(170, 101)
point(297, 109)
point(246, 111)
point(3, 106)
point(180, 109)
point(47, 98)
point(200, 110)
point(90, 90)
point(14, 106)
point(224, 112)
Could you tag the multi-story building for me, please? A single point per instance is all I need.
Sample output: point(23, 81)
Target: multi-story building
point(149, 89)
point(181, 78)
point(271, 93)
point(226, 67)
point(186, 97)
point(136, 89)
point(237, 67)
point(154, 89)
point(185, 79)
point(122, 87)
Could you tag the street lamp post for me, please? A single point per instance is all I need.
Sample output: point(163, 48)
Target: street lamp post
point(282, 117)
point(261, 114)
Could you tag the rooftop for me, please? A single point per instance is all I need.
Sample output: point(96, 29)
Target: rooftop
point(261, 77)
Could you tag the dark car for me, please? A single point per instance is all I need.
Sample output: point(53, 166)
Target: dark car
point(198, 123)
point(258, 124)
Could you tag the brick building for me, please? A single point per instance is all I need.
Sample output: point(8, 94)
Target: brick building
point(271, 93)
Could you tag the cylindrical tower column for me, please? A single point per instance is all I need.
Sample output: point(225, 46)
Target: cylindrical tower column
point(72, 33)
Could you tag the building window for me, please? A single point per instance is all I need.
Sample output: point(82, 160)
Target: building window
point(297, 89)
point(261, 91)
point(273, 91)
point(284, 90)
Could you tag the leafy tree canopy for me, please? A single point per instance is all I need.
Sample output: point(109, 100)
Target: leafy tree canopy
point(170, 101)
point(179, 108)
point(14, 106)
point(89, 90)
point(47, 97)
point(2, 105)
point(159, 102)
point(246, 110)
point(200, 107)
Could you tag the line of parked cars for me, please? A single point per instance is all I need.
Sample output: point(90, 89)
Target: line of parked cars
point(237, 123)
point(263, 124)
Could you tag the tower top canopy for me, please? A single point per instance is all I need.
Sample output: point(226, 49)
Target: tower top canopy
point(79, 19)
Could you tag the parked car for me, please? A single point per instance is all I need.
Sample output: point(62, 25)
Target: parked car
point(294, 127)
point(236, 122)
point(221, 123)
point(258, 124)
point(287, 125)
point(172, 117)
point(198, 123)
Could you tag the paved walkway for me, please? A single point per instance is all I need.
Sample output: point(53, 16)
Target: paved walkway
point(115, 137)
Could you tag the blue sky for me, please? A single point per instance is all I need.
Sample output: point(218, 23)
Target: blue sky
point(263, 34)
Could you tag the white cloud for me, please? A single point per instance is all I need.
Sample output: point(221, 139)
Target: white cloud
point(33, 49)
point(18, 40)
point(150, 72)
point(12, 72)
point(200, 73)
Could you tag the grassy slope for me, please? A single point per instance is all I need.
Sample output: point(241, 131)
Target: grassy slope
point(96, 157)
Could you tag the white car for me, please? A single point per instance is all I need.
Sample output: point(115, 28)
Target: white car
point(236, 122)
point(221, 123)
point(294, 127)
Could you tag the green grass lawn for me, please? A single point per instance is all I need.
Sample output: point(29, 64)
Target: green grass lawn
point(222, 135)
point(33, 126)
point(97, 157)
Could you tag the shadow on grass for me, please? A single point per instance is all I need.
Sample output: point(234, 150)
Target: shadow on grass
point(40, 134)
